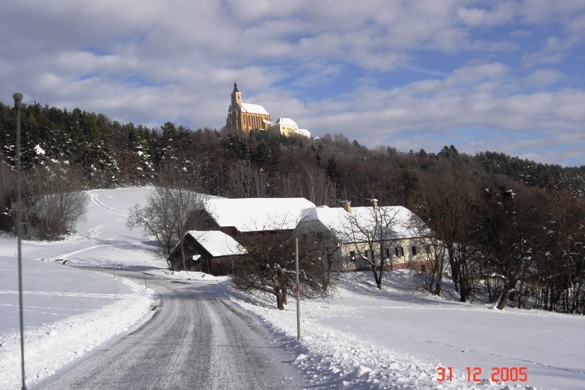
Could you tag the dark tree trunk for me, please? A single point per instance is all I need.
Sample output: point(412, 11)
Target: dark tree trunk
point(508, 286)
point(280, 298)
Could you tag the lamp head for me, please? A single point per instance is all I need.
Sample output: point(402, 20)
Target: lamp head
point(17, 100)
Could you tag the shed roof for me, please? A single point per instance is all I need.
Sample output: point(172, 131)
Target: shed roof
point(217, 243)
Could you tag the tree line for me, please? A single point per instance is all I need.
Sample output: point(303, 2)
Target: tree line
point(506, 227)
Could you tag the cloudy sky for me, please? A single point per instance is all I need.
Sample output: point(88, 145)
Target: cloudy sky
point(502, 75)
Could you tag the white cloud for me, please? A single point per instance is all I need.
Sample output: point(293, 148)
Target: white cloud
point(148, 61)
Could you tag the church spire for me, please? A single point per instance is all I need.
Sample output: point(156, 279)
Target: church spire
point(235, 86)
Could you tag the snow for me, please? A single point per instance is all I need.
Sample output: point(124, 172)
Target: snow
point(361, 337)
point(217, 243)
point(39, 151)
point(253, 214)
point(367, 338)
point(254, 109)
point(305, 133)
point(286, 122)
point(348, 225)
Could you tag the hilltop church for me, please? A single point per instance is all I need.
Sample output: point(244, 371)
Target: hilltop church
point(247, 117)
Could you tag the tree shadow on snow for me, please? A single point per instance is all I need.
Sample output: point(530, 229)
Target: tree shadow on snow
point(402, 286)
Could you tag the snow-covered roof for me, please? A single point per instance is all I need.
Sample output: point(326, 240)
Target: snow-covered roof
point(305, 133)
point(217, 243)
point(257, 214)
point(254, 109)
point(286, 122)
point(394, 222)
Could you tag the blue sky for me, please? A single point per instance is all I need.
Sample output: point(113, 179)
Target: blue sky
point(504, 75)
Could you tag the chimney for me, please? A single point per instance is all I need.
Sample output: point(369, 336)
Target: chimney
point(346, 204)
point(374, 202)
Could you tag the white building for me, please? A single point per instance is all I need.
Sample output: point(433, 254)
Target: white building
point(392, 233)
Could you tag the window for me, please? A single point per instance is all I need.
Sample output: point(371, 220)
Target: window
point(386, 253)
point(399, 251)
point(369, 254)
point(414, 250)
point(428, 249)
point(352, 255)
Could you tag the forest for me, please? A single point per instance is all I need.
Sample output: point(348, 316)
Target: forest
point(510, 228)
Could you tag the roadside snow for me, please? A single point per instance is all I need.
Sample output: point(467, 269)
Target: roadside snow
point(49, 347)
point(69, 311)
point(399, 337)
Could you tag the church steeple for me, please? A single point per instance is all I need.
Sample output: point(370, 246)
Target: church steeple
point(236, 96)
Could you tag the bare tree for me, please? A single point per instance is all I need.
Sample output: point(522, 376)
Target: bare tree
point(167, 216)
point(52, 200)
point(315, 185)
point(270, 263)
point(559, 275)
point(446, 201)
point(7, 191)
point(322, 246)
point(370, 229)
point(507, 232)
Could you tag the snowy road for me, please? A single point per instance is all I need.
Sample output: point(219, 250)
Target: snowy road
point(194, 340)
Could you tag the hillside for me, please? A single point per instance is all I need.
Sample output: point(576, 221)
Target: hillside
point(108, 153)
point(494, 215)
point(360, 337)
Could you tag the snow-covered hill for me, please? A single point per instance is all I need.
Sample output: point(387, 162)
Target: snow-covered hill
point(359, 338)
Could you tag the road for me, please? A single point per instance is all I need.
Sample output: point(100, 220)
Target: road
point(195, 340)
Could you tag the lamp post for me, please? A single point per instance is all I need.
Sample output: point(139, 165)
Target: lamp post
point(298, 290)
point(17, 103)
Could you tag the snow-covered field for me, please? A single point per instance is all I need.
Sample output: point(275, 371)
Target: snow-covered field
point(359, 338)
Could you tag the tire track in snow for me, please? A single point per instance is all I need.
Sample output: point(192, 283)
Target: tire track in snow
point(103, 206)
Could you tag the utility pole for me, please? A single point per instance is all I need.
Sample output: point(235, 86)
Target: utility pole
point(298, 290)
point(17, 103)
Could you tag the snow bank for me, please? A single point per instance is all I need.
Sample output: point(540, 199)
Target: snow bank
point(399, 338)
point(50, 347)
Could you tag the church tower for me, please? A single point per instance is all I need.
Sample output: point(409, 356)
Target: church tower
point(233, 118)
point(236, 95)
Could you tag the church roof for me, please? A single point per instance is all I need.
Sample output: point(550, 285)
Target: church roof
point(254, 109)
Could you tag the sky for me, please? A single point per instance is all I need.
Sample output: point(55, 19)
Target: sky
point(505, 75)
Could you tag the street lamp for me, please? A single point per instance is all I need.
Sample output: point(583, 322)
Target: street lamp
point(298, 290)
point(17, 103)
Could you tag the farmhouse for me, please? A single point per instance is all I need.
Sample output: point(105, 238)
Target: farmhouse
point(352, 235)
point(216, 241)
point(392, 233)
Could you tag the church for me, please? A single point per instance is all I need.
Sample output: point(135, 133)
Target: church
point(246, 116)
